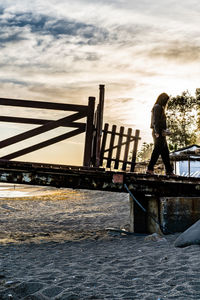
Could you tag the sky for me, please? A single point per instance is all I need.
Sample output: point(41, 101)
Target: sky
point(61, 50)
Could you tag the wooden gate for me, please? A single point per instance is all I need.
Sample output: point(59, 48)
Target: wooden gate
point(96, 150)
point(80, 111)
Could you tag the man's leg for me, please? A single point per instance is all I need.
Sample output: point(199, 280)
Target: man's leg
point(165, 157)
point(155, 154)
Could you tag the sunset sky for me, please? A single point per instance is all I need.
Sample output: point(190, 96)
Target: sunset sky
point(61, 50)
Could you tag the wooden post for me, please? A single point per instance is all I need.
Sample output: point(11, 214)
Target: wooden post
point(135, 146)
point(175, 169)
point(95, 137)
point(101, 105)
point(189, 167)
point(112, 139)
point(128, 139)
point(89, 133)
point(99, 124)
point(103, 145)
point(119, 147)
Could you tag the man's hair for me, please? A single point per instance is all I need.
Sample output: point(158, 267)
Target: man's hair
point(162, 99)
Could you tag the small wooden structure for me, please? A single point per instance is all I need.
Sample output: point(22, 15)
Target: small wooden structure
point(187, 161)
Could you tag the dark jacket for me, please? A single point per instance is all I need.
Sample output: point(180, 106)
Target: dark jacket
point(158, 119)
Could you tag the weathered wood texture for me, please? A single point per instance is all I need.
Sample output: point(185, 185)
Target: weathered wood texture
point(97, 179)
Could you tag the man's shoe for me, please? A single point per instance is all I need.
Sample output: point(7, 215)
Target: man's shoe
point(150, 172)
point(171, 174)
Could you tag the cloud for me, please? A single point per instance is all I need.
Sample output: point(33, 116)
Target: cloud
point(14, 81)
point(66, 28)
point(178, 51)
point(45, 25)
point(57, 47)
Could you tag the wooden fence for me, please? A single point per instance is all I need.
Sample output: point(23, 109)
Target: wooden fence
point(123, 156)
point(99, 143)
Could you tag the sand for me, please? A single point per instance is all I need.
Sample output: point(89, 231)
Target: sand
point(53, 245)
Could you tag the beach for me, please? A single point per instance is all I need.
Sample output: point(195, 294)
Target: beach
point(55, 244)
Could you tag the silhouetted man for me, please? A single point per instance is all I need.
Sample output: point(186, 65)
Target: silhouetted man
point(159, 133)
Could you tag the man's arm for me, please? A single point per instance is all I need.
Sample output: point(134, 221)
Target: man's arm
point(157, 117)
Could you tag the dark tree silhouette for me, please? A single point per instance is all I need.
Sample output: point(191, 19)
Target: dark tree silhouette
point(182, 116)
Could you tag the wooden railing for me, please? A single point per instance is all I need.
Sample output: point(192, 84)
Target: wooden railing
point(123, 156)
point(81, 111)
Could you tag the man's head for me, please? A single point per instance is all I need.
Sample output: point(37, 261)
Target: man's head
point(162, 99)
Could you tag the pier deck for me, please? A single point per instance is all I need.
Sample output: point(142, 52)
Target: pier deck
point(97, 179)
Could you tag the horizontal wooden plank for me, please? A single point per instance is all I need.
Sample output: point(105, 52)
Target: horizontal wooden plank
point(118, 160)
point(117, 146)
point(42, 104)
point(43, 144)
point(124, 135)
point(36, 121)
point(185, 158)
point(48, 167)
point(44, 128)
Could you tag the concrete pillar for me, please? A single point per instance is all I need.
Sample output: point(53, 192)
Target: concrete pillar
point(179, 213)
point(153, 215)
point(175, 214)
point(138, 220)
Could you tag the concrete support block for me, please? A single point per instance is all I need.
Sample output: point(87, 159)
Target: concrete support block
point(179, 213)
point(175, 214)
point(153, 215)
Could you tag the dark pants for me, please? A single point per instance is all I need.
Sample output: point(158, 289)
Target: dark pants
point(160, 148)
